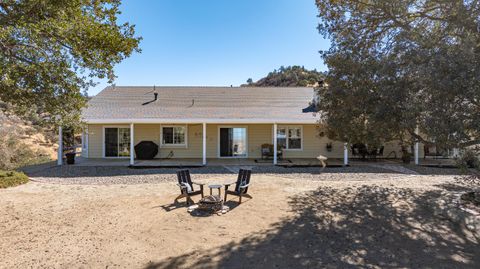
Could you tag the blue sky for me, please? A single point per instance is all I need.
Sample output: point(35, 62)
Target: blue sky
point(217, 42)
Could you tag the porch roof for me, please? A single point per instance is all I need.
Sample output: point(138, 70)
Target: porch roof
point(122, 104)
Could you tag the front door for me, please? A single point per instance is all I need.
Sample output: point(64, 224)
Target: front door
point(233, 142)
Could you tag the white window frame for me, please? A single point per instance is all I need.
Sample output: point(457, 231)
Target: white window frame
point(103, 141)
point(287, 127)
point(184, 145)
point(218, 142)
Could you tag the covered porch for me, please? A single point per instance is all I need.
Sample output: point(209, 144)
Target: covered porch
point(218, 143)
point(199, 144)
point(197, 162)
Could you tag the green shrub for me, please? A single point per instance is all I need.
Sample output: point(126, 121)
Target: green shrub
point(12, 179)
point(469, 159)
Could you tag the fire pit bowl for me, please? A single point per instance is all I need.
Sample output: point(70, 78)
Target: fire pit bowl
point(212, 204)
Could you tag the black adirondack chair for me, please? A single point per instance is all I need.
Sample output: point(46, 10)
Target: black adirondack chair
point(241, 186)
point(186, 186)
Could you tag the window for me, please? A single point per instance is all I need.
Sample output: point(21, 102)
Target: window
point(289, 138)
point(174, 136)
point(294, 138)
point(117, 142)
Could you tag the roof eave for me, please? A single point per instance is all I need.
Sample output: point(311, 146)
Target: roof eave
point(195, 121)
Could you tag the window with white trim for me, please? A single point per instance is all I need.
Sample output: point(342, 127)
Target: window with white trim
point(174, 136)
point(289, 137)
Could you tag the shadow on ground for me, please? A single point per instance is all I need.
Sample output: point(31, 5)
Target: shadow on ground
point(367, 227)
point(232, 204)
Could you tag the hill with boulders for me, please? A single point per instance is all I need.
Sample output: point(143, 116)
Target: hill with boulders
point(291, 76)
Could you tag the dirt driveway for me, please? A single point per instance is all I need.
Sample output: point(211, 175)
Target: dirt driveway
point(289, 223)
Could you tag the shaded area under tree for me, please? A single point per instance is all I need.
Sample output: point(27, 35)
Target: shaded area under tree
point(367, 227)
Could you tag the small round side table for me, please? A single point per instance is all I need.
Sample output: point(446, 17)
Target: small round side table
point(216, 186)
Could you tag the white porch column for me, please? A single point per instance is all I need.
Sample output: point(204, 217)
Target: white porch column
point(275, 144)
point(86, 141)
point(417, 159)
point(60, 146)
point(345, 154)
point(204, 144)
point(132, 146)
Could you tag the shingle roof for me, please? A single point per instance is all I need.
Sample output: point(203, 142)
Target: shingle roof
point(200, 104)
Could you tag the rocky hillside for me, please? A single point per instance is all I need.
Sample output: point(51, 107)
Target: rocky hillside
point(291, 76)
point(22, 143)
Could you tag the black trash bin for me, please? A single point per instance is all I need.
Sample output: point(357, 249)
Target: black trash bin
point(70, 157)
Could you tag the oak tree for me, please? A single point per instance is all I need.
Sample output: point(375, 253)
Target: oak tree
point(398, 65)
point(52, 51)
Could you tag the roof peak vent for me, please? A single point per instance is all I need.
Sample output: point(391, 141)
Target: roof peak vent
point(155, 97)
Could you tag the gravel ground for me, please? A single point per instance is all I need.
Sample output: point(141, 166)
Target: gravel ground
point(125, 175)
point(119, 175)
point(426, 170)
point(346, 223)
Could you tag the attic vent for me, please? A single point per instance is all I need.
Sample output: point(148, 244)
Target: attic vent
point(155, 98)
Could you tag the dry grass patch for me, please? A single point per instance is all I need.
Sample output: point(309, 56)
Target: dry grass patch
point(12, 179)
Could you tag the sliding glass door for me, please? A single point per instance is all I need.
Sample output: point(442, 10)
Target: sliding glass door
point(233, 142)
point(117, 142)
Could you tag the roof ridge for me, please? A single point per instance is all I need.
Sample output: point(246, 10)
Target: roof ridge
point(237, 87)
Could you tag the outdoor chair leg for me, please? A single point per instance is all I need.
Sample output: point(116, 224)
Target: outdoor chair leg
point(240, 200)
point(178, 198)
point(189, 201)
point(226, 189)
point(201, 189)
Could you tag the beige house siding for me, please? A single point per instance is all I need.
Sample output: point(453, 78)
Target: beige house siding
point(258, 134)
point(146, 132)
point(95, 137)
point(193, 149)
point(314, 145)
point(151, 132)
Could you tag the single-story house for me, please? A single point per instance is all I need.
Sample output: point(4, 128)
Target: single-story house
point(208, 123)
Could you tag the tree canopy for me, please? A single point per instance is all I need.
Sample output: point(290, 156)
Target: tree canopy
point(398, 65)
point(51, 51)
point(291, 76)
